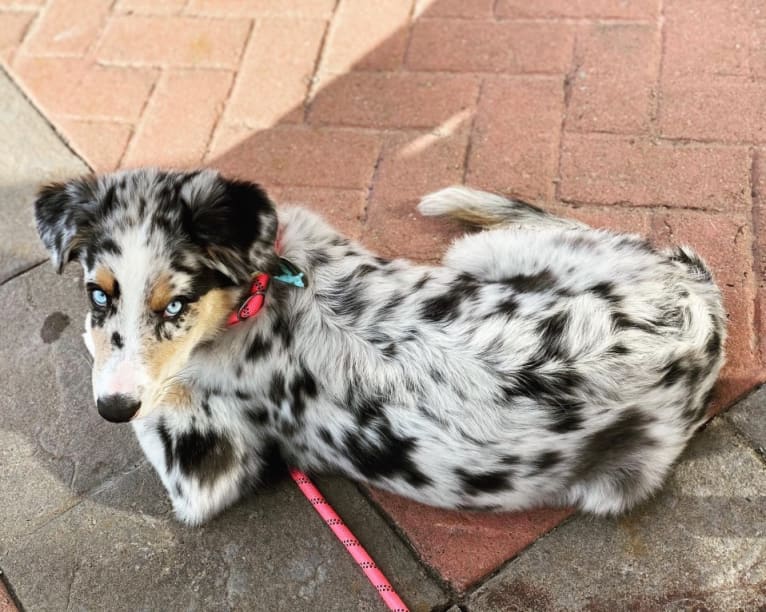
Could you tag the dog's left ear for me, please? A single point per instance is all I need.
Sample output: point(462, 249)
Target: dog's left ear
point(64, 215)
point(233, 221)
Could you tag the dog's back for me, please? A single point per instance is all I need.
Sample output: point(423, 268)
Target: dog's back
point(544, 363)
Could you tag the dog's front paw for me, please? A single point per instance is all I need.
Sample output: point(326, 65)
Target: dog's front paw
point(194, 505)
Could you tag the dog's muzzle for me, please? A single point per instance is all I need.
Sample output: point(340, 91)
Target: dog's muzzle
point(117, 408)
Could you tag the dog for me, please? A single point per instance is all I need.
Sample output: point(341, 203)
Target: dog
point(544, 363)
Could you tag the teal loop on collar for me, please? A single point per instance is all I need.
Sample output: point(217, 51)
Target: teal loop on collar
point(289, 274)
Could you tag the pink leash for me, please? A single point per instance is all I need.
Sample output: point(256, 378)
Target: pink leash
point(354, 548)
point(250, 308)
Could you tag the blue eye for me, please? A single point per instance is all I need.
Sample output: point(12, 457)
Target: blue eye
point(99, 298)
point(174, 309)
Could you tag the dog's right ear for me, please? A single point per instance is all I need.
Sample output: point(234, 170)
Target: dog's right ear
point(64, 214)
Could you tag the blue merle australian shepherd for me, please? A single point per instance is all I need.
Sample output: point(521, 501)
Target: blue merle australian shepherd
point(544, 363)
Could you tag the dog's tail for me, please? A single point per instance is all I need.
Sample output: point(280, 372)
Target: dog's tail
point(486, 209)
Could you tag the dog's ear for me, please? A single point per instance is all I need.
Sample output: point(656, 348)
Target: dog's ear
point(64, 215)
point(233, 221)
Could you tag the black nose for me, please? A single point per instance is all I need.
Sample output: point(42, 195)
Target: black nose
point(117, 408)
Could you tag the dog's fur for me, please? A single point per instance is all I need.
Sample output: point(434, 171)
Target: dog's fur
point(545, 363)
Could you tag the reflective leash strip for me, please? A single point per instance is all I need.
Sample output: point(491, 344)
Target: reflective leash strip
point(355, 549)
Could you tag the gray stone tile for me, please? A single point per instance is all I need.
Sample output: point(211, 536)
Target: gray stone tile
point(31, 153)
point(46, 406)
point(701, 544)
point(120, 549)
point(86, 524)
point(749, 419)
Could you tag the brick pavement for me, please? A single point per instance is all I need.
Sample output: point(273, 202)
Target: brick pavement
point(648, 115)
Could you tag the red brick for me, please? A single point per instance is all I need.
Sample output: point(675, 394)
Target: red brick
point(607, 169)
point(617, 218)
point(758, 50)
point(515, 143)
point(343, 208)
point(394, 228)
point(413, 164)
point(410, 166)
point(226, 137)
point(78, 89)
point(489, 46)
point(173, 41)
point(293, 156)
point(605, 9)
point(6, 603)
point(454, 8)
point(13, 28)
point(398, 100)
point(179, 120)
point(309, 9)
point(67, 27)
point(275, 73)
point(708, 37)
point(727, 109)
point(367, 36)
point(150, 7)
point(612, 89)
point(725, 241)
point(466, 546)
point(100, 143)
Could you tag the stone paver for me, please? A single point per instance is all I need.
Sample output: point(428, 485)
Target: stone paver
point(748, 419)
point(28, 157)
point(645, 116)
point(88, 525)
point(700, 545)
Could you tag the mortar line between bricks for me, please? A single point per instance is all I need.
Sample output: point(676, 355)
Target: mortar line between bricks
point(472, 131)
point(141, 117)
point(148, 65)
point(654, 116)
point(313, 82)
point(373, 181)
point(408, 42)
point(452, 73)
point(90, 50)
point(540, 20)
point(33, 27)
point(592, 20)
point(94, 119)
point(569, 76)
point(229, 93)
point(758, 281)
point(666, 140)
point(626, 205)
point(24, 35)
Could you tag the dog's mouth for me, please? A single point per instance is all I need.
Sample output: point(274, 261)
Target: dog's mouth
point(118, 408)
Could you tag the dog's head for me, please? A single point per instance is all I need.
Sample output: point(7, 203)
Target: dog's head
point(165, 256)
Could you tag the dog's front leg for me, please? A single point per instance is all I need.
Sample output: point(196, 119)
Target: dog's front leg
point(201, 471)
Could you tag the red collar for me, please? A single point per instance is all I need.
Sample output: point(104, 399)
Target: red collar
point(254, 301)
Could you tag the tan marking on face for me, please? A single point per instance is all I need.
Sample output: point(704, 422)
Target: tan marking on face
point(161, 295)
point(166, 358)
point(105, 280)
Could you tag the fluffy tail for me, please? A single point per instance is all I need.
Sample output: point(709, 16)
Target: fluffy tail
point(486, 209)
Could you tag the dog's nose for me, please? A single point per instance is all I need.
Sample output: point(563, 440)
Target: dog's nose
point(117, 408)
